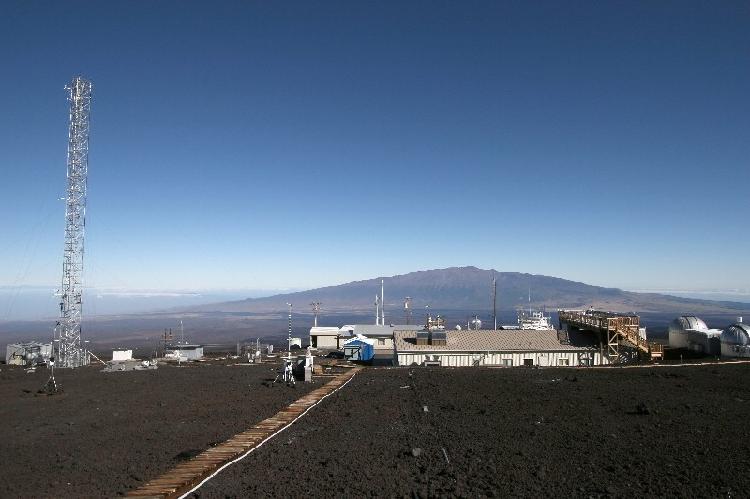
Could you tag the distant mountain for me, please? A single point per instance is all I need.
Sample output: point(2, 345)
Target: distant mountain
point(469, 288)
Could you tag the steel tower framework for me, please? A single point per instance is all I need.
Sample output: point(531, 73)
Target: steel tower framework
point(68, 346)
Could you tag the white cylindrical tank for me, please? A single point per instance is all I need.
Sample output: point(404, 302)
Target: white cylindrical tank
point(735, 341)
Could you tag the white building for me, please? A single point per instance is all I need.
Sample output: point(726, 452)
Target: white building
point(325, 337)
point(383, 335)
point(334, 337)
point(493, 348)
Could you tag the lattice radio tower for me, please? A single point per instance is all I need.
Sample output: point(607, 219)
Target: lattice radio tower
point(69, 351)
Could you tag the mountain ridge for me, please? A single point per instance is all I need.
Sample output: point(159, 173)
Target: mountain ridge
point(469, 288)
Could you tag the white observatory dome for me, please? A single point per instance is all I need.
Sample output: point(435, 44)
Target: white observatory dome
point(688, 322)
point(736, 334)
point(691, 333)
point(735, 341)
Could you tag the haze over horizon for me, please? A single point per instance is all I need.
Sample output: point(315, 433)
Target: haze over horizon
point(297, 145)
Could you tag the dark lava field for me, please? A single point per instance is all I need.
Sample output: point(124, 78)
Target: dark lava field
point(107, 433)
point(416, 432)
point(664, 431)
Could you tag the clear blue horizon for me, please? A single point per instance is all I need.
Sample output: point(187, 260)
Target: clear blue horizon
point(251, 145)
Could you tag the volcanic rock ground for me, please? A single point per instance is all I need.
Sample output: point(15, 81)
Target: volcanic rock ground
point(666, 431)
point(107, 433)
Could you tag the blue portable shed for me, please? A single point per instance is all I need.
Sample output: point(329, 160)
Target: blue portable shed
point(359, 349)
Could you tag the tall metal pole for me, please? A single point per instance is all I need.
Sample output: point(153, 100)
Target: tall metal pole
point(377, 310)
point(382, 303)
point(316, 311)
point(494, 301)
point(289, 338)
point(70, 352)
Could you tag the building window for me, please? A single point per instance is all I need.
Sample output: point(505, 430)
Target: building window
point(508, 362)
point(381, 341)
point(563, 362)
point(528, 362)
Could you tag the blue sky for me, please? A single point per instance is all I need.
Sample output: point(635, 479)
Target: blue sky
point(248, 145)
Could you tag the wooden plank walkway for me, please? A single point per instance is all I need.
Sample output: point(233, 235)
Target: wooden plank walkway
point(188, 475)
point(619, 328)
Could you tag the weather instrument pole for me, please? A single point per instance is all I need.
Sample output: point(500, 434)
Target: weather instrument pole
point(289, 336)
point(288, 372)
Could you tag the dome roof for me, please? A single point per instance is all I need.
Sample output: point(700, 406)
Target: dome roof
point(736, 334)
point(688, 322)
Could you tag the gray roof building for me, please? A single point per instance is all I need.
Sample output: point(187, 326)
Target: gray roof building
point(507, 348)
point(487, 340)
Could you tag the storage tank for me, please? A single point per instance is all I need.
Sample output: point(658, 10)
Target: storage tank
point(735, 340)
point(691, 333)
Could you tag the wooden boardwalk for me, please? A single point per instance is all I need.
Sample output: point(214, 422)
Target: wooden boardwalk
point(187, 476)
point(619, 329)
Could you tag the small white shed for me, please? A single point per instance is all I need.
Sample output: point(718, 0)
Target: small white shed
point(122, 354)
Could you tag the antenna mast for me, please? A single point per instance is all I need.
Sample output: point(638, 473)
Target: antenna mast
point(316, 310)
point(494, 300)
point(382, 303)
point(377, 310)
point(69, 352)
